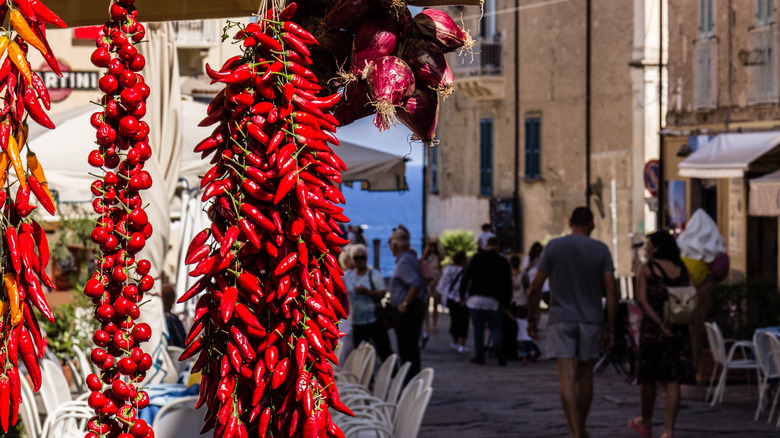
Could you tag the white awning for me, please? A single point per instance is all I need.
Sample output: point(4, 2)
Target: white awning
point(731, 155)
point(765, 195)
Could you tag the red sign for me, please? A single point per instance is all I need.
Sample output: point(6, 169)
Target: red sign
point(61, 87)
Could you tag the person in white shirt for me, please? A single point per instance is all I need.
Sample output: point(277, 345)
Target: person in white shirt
point(487, 233)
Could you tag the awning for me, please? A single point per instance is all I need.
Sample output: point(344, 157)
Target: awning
point(732, 155)
point(95, 12)
point(764, 198)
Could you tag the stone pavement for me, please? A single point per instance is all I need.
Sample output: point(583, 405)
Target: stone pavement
point(488, 401)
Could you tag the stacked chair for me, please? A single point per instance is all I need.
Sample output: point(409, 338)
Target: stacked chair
point(387, 408)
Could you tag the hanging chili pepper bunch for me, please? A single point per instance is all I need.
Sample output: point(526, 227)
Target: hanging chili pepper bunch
point(121, 231)
point(265, 328)
point(25, 250)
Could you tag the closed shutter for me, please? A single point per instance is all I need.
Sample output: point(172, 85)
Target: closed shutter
point(533, 165)
point(707, 18)
point(486, 157)
point(766, 12)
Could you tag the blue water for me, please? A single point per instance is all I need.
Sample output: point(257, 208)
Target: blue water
point(383, 211)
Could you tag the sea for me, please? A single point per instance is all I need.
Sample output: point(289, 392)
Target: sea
point(380, 212)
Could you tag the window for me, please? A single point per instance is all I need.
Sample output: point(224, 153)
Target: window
point(435, 169)
point(486, 157)
point(766, 12)
point(707, 18)
point(533, 146)
point(487, 28)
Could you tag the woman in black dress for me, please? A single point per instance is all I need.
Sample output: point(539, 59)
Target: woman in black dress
point(664, 351)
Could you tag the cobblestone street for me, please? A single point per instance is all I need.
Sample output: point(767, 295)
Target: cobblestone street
point(515, 401)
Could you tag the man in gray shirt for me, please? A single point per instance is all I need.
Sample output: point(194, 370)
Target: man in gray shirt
point(407, 295)
point(581, 272)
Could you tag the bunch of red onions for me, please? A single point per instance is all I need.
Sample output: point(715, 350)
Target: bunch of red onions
point(122, 229)
point(396, 69)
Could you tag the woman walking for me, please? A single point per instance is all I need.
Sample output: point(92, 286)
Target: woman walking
point(664, 351)
point(449, 289)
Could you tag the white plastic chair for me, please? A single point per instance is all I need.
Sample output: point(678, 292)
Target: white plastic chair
point(397, 384)
point(774, 351)
point(179, 418)
point(405, 421)
point(726, 360)
point(85, 366)
point(65, 421)
point(28, 411)
point(356, 365)
point(768, 370)
point(381, 383)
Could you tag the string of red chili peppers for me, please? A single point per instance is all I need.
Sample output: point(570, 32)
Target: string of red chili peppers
point(121, 231)
point(25, 250)
point(265, 328)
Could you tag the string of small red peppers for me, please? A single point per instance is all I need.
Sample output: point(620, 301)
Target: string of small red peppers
point(265, 328)
point(24, 255)
point(121, 231)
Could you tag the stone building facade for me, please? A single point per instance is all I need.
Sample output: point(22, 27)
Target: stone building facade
point(525, 96)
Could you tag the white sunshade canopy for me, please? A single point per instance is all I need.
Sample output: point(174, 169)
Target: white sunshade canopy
point(764, 195)
point(732, 155)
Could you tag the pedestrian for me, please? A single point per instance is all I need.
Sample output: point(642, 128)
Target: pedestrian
point(487, 233)
point(488, 281)
point(176, 332)
point(366, 288)
point(449, 289)
point(359, 237)
point(431, 268)
point(525, 347)
point(665, 355)
point(351, 234)
point(581, 273)
point(529, 270)
point(407, 295)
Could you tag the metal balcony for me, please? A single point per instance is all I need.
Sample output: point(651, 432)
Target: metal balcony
point(480, 74)
point(197, 33)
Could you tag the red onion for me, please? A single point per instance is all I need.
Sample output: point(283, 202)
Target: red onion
point(375, 38)
point(355, 104)
point(437, 26)
point(429, 66)
point(350, 13)
point(420, 114)
point(390, 81)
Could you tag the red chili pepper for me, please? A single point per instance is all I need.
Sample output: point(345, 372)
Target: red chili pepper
point(255, 216)
point(227, 242)
point(265, 420)
point(301, 351)
point(27, 352)
point(42, 12)
point(300, 32)
point(191, 349)
point(40, 88)
point(266, 41)
point(35, 110)
point(228, 303)
point(237, 75)
point(285, 265)
point(5, 402)
point(40, 193)
point(315, 340)
point(13, 248)
point(280, 373)
point(287, 183)
point(295, 44)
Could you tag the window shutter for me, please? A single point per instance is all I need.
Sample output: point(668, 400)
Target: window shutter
point(706, 18)
point(533, 165)
point(486, 157)
point(771, 12)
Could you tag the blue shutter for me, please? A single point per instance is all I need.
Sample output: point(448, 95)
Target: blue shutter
point(533, 165)
point(486, 157)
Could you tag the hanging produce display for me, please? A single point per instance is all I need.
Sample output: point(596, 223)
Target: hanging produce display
point(396, 68)
point(25, 250)
point(265, 329)
point(122, 229)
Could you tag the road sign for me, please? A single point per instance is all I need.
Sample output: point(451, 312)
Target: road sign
point(652, 175)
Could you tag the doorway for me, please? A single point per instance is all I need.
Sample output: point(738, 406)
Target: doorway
point(762, 247)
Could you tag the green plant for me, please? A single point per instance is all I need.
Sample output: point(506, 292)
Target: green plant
point(73, 325)
point(453, 241)
point(742, 307)
point(76, 224)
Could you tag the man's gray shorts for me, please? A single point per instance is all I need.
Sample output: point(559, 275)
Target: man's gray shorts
point(572, 339)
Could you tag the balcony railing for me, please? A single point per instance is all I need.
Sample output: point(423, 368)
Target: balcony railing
point(197, 32)
point(486, 60)
point(705, 73)
point(761, 60)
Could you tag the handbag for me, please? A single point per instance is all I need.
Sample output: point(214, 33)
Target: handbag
point(382, 313)
point(679, 306)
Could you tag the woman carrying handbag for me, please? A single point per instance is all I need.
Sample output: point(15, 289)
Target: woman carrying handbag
point(664, 343)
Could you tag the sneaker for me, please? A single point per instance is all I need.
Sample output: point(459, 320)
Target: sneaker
point(463, 349)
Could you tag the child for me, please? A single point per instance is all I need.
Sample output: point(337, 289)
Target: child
point(526, 348)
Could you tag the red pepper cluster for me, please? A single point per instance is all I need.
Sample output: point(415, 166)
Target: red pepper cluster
point(265, 328)
point(121, 231)
point(25, 249)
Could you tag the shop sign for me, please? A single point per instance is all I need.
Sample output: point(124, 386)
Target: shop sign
point(61, 87)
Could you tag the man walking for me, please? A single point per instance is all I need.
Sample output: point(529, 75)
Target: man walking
point(488, 281)
point(407, 295)
point(581, 272)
